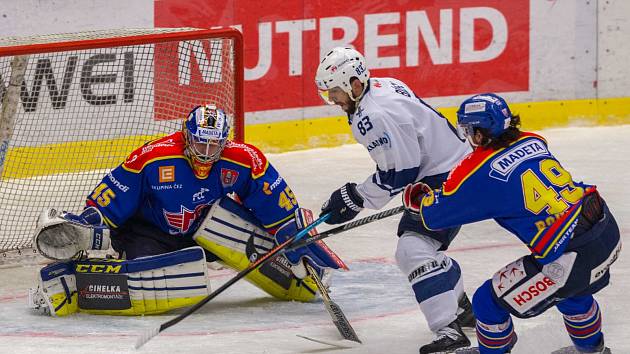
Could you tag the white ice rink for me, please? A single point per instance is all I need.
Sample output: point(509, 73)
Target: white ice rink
point(374, 295)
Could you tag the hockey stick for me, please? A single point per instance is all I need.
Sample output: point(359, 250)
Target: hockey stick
point(345, 227)
point(338, 317)
point(145, 337)
point(276, 251)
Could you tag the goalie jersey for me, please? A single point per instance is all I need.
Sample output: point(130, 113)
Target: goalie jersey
point(156, 183)
point(522, 187)
point(406, 138)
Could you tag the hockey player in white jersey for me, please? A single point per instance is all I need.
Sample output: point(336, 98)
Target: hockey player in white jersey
point(410, 142)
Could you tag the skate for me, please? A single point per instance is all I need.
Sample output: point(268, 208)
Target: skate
point(600, 349)
point(465, 316)
point(475, 350)
point(446, 340)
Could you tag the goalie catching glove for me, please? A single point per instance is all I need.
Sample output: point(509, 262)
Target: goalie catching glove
point(61, 235)
point(317, 254)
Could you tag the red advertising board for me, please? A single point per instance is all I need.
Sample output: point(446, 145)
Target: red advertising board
point(439, 48)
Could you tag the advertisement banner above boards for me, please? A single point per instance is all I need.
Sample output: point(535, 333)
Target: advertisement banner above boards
point(443, 48)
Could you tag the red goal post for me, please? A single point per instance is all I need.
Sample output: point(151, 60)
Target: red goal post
point(73, 106)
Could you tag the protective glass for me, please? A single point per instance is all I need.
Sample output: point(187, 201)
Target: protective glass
point(325, 95)
point(465, 130)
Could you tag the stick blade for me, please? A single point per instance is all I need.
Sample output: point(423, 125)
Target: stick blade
point(146, 336)
point(342, 323)
point(337, 343)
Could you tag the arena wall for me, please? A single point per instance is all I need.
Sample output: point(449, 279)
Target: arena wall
point(559, 63)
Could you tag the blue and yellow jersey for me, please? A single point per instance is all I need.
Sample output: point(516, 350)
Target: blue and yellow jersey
point(156, 183)
point(522, 187)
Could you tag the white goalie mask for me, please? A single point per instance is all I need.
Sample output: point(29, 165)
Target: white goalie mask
point(206, 130)
point(337, 68)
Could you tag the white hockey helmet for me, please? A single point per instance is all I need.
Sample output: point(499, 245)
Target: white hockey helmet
point(337, 68)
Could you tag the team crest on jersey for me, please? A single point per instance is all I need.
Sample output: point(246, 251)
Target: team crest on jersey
point(182, 220)
point(228, 177)
point(359, 112)
point(503, 165)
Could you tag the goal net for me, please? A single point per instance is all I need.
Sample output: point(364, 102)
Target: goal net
point(73, 106)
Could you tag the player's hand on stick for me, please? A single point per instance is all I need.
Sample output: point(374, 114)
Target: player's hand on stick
point(412, 196)
point(343, 205)
point(317, 254)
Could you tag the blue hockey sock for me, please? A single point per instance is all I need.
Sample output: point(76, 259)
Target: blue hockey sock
point(495, 331)
point(583, 321)
point(495, 338)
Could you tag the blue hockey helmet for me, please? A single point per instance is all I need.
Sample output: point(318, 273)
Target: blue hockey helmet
point(206, 130)
point(487, 111)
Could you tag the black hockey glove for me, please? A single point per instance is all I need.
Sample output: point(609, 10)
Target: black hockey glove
point(343, 205)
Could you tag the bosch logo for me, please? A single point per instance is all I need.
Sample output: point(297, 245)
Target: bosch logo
point(533, 291)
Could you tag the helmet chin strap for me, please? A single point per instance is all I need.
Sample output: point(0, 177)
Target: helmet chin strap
point(358, 98)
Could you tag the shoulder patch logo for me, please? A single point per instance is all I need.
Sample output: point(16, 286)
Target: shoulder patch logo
point(503, 165)
point(166, 174)
point(228, 177)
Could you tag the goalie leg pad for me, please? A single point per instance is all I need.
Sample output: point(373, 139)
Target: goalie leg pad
point(56, 294)
point(234, 235)
point(143, 286)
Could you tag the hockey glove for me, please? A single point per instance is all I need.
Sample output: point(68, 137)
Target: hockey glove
point(61, 235)
point(343, 205)
point(412, 196)
point(317, 253)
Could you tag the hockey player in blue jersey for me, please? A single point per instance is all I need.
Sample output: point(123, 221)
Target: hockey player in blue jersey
point(167, 197)
point(409, 141)
point(573, 239)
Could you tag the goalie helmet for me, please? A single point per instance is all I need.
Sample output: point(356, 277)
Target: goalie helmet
point(486, 111)
point(206, 130)
point(337, 68)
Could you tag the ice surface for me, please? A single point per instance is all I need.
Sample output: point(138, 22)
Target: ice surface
point(374, 295)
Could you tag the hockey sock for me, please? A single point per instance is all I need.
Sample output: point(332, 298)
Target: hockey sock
point(583, 321)
point(495, 338)
point(495, 331)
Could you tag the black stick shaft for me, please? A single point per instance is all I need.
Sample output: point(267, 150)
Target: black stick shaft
point(264, 258)
point(290, 244)
point(345, 227)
